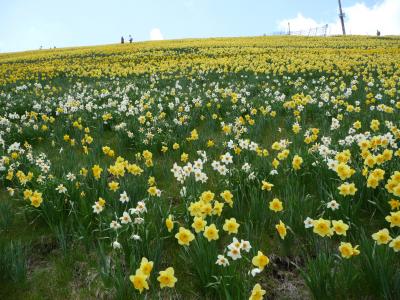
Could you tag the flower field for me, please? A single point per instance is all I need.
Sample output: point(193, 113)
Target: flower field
point(235, 168)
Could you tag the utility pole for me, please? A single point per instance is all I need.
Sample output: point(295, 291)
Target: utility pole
point(341, 16)
point(289, 27)
point(325, 29)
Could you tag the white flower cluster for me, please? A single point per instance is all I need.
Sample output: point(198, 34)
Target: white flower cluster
point(234, 251)
point(221, 166)
point(195, 168)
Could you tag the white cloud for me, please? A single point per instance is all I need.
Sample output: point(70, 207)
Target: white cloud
point(298, 23)
point(360, 19)
point(156, 35)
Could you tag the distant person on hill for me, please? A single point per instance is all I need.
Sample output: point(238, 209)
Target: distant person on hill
point(122, 39)
point(130, 39)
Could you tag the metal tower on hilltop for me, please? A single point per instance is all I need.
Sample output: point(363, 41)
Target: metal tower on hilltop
point(341, 16)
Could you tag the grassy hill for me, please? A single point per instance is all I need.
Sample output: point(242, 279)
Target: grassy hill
point(245, 164)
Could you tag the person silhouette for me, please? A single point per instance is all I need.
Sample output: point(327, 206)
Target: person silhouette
point(122, 39)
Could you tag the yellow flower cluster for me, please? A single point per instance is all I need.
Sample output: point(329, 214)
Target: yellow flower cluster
point(140, 282)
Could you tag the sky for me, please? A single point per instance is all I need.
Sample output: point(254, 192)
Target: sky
point(29, 24)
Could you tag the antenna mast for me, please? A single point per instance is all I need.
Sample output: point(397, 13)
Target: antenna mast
point(341, 16)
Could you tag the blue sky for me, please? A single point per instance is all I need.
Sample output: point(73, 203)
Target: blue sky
point(28, 24)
